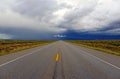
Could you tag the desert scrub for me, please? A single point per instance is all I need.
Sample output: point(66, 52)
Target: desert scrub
point(108, 46)
point(11, 46)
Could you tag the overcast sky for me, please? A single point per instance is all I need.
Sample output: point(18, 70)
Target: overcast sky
point(48, 19)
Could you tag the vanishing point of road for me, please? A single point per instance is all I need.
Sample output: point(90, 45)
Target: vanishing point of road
point(60, 60)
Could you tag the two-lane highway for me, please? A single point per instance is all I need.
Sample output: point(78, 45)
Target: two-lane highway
point(60, 60)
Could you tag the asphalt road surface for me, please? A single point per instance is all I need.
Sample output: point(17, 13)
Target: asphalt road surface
point(60, 60)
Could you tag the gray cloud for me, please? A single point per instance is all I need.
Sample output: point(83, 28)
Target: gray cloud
point(39, 9)
point(57, 16)
point(33, 14)
point(93, 17)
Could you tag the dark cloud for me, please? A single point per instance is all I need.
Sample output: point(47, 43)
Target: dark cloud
point(73, 35)
point(46, 18)
point(20, 33)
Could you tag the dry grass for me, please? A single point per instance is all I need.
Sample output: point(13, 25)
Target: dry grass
point(108, 46)
point(11, 46)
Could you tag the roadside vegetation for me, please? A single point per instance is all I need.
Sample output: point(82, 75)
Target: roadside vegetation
point(11, 46)
point(108, 46)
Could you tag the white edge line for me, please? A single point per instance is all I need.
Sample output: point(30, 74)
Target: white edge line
point(18, 58)
point(102, 60)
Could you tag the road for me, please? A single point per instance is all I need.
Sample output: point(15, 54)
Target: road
point(60, 60)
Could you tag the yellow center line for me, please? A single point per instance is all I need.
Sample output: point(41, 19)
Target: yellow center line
point(57, 57)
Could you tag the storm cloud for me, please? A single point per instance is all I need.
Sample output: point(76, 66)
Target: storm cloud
point(58, 16)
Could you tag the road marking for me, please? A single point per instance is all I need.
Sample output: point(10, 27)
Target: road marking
point(57, 57)
point(101, 60)
point(18, 58)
